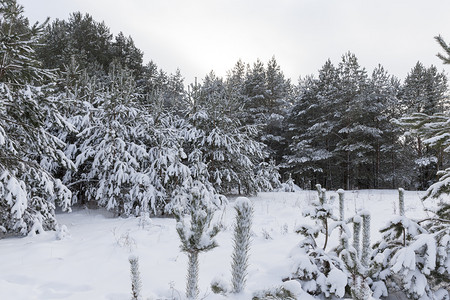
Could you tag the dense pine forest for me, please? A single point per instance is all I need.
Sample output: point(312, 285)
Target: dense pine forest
point(85, 121)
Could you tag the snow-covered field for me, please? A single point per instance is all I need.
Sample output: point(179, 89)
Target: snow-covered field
point(91, 262)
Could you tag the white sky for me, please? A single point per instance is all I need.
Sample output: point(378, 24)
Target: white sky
point(202, 35)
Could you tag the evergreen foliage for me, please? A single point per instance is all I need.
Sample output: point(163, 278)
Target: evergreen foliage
point(445, 59)
point(110, 152)
point(424, 94)
point(340, 127)
point(319, 272)
point(411, 258)
point(242, 236)
point(90, 43)
point(28, 151)
point(196, 233)
point(229, 147)
point(136, 283)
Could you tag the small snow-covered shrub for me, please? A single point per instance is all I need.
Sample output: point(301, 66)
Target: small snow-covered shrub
point(125, 240)
point(219, 285)
point(266, 234)
point(62, 232)
point(289, 185)
point(289, 290)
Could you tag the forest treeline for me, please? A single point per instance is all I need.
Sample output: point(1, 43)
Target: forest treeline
point(83, 120)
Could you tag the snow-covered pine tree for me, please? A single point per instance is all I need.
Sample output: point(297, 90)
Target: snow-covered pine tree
point(241, 246)
point(341, 195)
point(357, 224)
point(340, 130)
point(319, 272)
point(424, 94)
point(136, 283)
point(388, 151)
point(228, 147)
point(268, 176)
point(278, 101)
point(356, 257)
point(411, 258)
point(289, 184)
point(310, 125)
point(110, 149)
point(438, 227)
point(365, 252)
point(196, 233)
point(358, 284)
point(168, 164)
point(28, 191)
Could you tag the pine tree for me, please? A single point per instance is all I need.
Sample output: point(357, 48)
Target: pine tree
point(242, 236)
point(423, 93)
point(319, 272)
point(340, 128)
point(310, 127)
point(353, 129)
point(410, 258)
point(28, 150)
point(136, 283)
point(80, 36)
point(197, 234)
point(111, 158)
point(127, 54)
point(228, 147)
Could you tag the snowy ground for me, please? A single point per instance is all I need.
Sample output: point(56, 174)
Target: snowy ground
point(92, 262)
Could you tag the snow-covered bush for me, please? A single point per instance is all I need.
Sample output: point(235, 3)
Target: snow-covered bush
point(289, 185)
point(242, 236)
point(219, 285)
point(267, 176)
point(289, 290)
point(62, 232)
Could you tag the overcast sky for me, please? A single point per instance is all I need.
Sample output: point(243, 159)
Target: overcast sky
point(203, 35)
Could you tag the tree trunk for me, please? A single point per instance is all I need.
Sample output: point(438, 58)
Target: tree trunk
point(192, 277)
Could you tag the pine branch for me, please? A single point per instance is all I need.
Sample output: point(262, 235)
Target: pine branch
point(445, 47)
point(434, 219)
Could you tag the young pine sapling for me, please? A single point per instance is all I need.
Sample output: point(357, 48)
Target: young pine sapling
point(242, 237)
point(196, 233)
